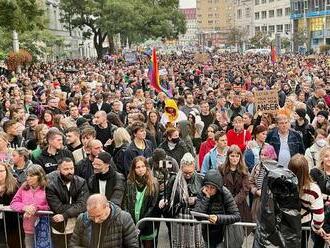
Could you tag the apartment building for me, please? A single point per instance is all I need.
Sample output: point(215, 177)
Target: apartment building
point(244, 17)
point(215, 18)
point(312, 17)
point(272, 17)
point(74, 44)
point(190, 37)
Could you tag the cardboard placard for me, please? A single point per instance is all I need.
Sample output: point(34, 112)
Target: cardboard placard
point(201, 57)
point(266, 101)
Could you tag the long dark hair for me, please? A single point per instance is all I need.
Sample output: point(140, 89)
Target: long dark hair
point(241, 167)
point(149, 177)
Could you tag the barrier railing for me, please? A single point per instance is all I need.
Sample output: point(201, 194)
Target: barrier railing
point(6, 209)
point(246, 225)
point(248, 242)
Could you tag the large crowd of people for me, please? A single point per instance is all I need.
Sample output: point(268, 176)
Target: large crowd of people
point(92, 142)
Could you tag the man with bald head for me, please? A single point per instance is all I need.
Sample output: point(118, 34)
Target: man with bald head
point(104, 129)
point(104, 225)
point(84, 168)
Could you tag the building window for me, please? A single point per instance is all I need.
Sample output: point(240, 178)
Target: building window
point(257, 29)
point(263, 14)
point(256, 16)
point(279, 28)
point(239, 14)
point(264, 29)
point(279, 12)
point(247, 12)
point(271, 1)
point(327, 4)
point(210, 21)
point(287, 11)
point(287, 28)
point(256, 2)
point(263, 1)
point(271, 13)
point(210, 1)
point(210, 15)
point(271, 28)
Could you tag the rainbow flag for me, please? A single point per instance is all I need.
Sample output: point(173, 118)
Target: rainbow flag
point(273, 56)
point(153, 75)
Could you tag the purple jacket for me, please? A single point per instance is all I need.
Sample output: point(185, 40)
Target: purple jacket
point(27, 197)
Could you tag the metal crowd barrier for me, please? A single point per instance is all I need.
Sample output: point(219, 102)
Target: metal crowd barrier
point(3, 210)
point(247, 243)
point(248, 240)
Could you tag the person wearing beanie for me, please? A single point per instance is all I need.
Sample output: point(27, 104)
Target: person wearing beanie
point(322, 120)
point(106, 180)
point(216, 200)
point(179, 198)
point(302, 126)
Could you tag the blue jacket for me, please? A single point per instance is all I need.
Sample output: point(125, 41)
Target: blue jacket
point(210, 161)
point(295, 142)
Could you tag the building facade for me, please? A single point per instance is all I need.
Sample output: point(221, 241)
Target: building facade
point(215, 19)
point(190, 37)
point(75, 46)
point(244, 17)
point(311, 20)
point(272, 17)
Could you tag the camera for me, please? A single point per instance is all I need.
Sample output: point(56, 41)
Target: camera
point(165, 164)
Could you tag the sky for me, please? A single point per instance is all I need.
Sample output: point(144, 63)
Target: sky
point(187, 3)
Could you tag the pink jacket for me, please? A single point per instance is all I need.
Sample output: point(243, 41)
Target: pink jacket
point(23, 198)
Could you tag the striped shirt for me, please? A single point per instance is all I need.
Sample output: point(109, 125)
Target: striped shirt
point(312, 208)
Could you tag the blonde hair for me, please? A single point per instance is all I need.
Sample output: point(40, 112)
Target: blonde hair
point(121, 136)
point(323, 152)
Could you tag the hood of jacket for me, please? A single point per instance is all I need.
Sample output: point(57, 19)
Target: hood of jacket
point(170, 103)
point(213, 177)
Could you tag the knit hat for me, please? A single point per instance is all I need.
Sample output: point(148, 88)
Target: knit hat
point(105, 157)
point(324, 113)
point(301, 112)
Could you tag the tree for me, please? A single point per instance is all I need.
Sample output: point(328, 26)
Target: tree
point(299, 38)
point(285, 42)
point(133, 19)
point(20, 15)
point(260, 40)
point(236, 36)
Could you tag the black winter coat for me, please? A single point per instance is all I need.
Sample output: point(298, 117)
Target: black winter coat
point(70, 203)
point(84, 168)
point(222, 204)
point(115, 185)
point(118, 230)
point(178, 152)
point(132, 151)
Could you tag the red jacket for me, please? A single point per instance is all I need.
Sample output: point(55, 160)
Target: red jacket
point(206, 146)
point(239, 139)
